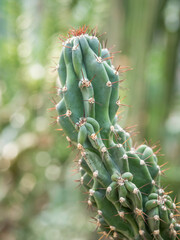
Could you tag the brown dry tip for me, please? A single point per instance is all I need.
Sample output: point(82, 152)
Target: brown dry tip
point(79, 31)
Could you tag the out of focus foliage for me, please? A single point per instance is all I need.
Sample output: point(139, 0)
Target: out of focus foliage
point(37, 189)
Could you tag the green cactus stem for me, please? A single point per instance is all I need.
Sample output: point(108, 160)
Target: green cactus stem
point(122, 183)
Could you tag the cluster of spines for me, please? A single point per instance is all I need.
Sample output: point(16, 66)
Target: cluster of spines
point(159, 208)
point(112, 171)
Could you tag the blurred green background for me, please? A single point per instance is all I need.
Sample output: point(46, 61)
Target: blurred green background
point(38, 195)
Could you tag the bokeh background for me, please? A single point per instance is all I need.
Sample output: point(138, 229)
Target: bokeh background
point(38, 195)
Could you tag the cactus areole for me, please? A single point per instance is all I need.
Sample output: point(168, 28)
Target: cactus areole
point(122, 182)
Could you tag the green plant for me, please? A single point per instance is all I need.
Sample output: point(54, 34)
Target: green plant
point(122, 182)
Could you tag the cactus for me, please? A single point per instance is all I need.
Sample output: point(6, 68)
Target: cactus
point(122, 182)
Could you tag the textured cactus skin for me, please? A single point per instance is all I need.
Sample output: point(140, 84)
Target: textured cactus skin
point(122, 183)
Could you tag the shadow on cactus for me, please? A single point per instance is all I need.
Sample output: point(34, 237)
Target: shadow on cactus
point(123, 183)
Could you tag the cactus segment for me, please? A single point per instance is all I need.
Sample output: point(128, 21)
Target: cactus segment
point(122, 183)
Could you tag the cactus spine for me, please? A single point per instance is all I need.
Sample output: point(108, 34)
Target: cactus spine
point(123, 183)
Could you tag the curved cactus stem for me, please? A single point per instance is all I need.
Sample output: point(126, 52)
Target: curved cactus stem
point(122, 182)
